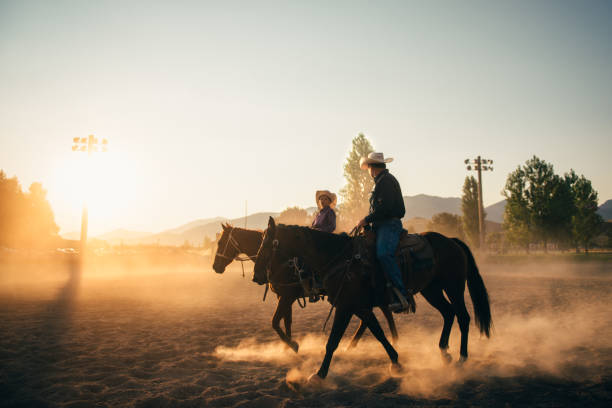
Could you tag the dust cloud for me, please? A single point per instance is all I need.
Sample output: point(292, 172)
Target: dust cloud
point(164, 329)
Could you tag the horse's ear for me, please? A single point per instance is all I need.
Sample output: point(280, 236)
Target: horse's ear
point(271, 223)
point(224, 226)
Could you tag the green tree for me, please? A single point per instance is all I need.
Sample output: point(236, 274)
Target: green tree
point(294, 216)
point(516, 214)
point(356, 193)
point(446, 224)
point(586, 224)
point(469, 209)
point(539, 204)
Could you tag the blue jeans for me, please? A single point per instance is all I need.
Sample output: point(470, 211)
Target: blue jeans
point(387, 237)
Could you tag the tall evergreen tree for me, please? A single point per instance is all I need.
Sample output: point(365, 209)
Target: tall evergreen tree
point(469, 208)
point(356, 193)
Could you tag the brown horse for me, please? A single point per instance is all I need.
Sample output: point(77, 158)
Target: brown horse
point(348, 282)
point(235, 241)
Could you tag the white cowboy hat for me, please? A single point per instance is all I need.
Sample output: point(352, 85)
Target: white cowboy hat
point(332, 197)
point(374, 157)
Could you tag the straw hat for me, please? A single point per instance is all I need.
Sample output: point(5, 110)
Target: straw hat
point(372, 158)
point(332, 197)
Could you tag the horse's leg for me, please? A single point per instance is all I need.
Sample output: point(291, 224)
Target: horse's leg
point(391, 322)
point(435, 297)
point(357, 336)
point(288, 318)
point(455, 295)
point(341, 321)
point(368, 317)
point(284, 302)
point(362, 326)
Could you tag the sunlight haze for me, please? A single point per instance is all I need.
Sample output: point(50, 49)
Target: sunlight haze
point(207, 105)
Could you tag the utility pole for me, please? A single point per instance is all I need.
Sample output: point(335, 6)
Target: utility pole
point(90, 145)
point(479, 164)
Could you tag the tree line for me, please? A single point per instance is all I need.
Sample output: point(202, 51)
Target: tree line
point(26, 218)
point(543, 209)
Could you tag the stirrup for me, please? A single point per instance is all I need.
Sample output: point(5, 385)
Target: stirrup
point(404, 305)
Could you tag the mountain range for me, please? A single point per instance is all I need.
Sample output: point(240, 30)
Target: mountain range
point(418, 206)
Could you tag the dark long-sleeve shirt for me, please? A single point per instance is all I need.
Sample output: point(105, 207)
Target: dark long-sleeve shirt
point(325, 220)
point(386, 200)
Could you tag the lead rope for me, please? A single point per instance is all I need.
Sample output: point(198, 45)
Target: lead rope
point(266, 292)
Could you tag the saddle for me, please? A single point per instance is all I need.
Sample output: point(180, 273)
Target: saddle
point(414, 255)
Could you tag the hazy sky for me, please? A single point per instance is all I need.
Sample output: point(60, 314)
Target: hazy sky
point(208, 104)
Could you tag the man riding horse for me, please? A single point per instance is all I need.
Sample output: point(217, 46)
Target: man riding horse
point(386, 211)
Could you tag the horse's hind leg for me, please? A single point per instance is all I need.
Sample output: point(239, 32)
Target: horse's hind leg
point(455, 295)
point(433, 294)
point(341, 321)
point(284, 303)
point(368, 317)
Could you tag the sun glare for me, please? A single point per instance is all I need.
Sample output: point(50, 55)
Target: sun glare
point(104, 182)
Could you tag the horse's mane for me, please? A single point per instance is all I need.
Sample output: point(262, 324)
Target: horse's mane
point(229, 225)
point(323, 241)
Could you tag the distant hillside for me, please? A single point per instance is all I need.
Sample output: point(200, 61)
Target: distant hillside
point(194, 224)
point(425, 206)
point(495, 212)
point(121, 234)
point(419, 210)
point(605, 210)
point(196, 235)
point(192, 232)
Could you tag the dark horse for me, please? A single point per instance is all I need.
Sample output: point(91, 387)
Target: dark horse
point(350, 290)
point(235, 241)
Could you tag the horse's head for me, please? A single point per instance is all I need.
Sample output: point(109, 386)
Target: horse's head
point(226, 249)
point(280, 244)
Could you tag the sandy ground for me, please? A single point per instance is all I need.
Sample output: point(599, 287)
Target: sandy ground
point(156, 334)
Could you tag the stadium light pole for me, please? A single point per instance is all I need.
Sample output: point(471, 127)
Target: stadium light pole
point(479, 164)
point(90, 146)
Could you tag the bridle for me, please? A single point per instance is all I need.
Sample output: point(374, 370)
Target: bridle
point(235, 245)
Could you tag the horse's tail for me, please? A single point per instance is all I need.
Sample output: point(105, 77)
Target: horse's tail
point(478, 292)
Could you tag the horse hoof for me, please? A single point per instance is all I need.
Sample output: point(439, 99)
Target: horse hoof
point(446, 357)
point(294, 346)
point(396, 369)
point(315, 380)
point(462, 360)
